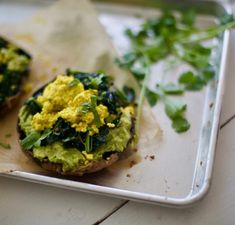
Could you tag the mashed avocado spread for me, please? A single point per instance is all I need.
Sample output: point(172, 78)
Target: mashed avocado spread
point(74, 121)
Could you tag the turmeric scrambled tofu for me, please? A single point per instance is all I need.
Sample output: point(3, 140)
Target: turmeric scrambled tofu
point(62, 100)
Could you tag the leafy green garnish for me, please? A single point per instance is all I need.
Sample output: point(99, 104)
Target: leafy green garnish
point(226, 18)
point(188, 18)
point(46, 133)
point(175, 110)
point(93, 109)
point(29, 141)
point(90, 80)
point(167, 35)
point(180, 124)
point(84, 108)
point(126, 95)
point(96, 81)
point(191, 81)
point(207, 73)
point(194, 54)
point(34, 139)
point(91, 106)
point(172, 89)
point(74, 83)
point(151, 96)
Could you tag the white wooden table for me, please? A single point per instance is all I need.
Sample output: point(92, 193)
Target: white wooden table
point(23, 203)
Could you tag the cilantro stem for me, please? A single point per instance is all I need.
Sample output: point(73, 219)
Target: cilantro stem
point(88, 147)
point(94, 111)
point(142, 95)
point(208, 33)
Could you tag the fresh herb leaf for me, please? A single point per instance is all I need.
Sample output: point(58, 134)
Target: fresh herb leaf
point(34, 139)
point(84, 108)
point(136, 37)
point(180, 124)
point(95, 82)
point(138, 70)
point(194, 54)
point(174, 108)
point(93, 109)
point(91, 106)
point(227, 18)
point(191, 81)
point(188, 17)
point(46, 133)
point(187, 78)
point(127, 60)
point(74, 83)
point(125, 96)
point(90, 80)
point(172, 89)
point(207, 73)
point(156, 50)
point(29, 141)
point(151, 96)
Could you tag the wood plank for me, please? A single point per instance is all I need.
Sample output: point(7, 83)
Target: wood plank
point(27, 203)
point(217, 208)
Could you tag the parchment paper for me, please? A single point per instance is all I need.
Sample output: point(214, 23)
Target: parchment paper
point(65, 35)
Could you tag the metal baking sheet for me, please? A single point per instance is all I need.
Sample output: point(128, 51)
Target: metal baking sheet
point(180, 172)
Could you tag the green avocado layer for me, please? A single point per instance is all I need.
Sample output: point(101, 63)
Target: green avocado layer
point(72, 158)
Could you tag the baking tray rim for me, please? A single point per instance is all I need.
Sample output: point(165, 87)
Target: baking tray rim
point(190, 199)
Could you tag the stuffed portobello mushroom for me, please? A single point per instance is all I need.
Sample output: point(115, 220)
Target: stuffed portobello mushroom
point(78, 123)
point(14, 68)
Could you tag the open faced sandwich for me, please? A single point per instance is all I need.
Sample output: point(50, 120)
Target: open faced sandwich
point(14, 68)
point(78, 123)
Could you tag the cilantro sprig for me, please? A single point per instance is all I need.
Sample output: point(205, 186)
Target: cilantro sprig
point(158, 38)
point(35, 139)
point(175, 110)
